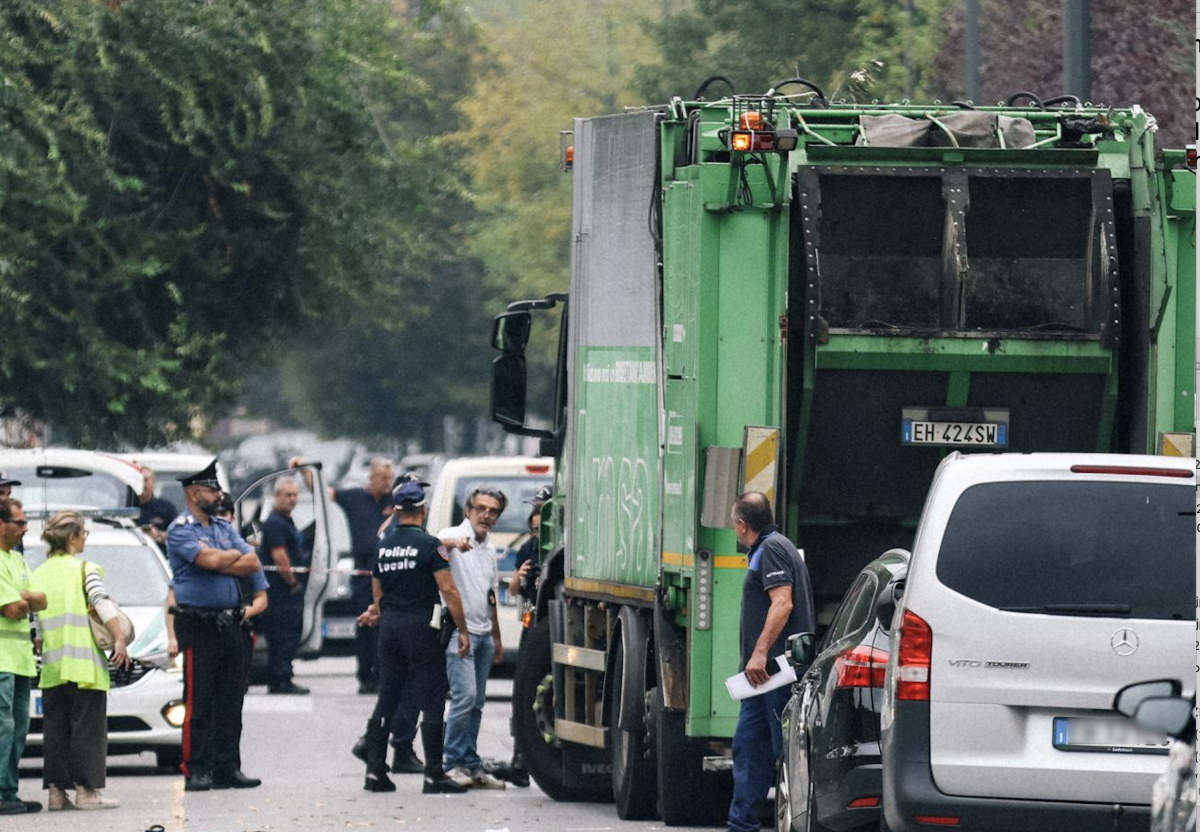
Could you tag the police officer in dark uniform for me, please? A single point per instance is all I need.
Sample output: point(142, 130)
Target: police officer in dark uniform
point(208, 557)
point(411, 568)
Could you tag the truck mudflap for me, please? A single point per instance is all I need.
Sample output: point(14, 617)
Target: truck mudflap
point(587, 771)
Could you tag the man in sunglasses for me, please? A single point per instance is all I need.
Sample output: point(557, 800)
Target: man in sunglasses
point(17, 664)
point(473, 566)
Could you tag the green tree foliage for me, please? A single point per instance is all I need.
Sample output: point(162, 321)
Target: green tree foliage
point(183, 185)
point(756, 43)
point(397, 369)
point(550, 63)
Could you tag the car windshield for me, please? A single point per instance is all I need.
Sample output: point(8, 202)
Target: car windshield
point(1119, 548)
point(54, 487)
point(515, 519)
point(133, 575)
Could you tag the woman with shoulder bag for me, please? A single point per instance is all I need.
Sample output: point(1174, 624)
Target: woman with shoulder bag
point(75, 676)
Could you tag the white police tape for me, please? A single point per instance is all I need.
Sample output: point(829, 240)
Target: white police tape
point(317, 570)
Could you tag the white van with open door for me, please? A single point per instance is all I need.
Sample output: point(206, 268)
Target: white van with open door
point(311, 516)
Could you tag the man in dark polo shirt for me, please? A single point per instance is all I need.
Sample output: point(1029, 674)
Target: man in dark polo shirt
point(366, 510)
point(283, 622)
point(776, 602)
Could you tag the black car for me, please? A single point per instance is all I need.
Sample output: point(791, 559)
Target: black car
point(829, 773)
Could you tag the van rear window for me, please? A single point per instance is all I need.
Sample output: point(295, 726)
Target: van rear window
point(1098, 548)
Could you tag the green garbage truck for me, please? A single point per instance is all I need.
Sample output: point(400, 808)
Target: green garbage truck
point(817, 300)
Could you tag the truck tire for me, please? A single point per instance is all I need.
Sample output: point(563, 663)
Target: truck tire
point(687, 795)
point(533, 721)
point(633, 771)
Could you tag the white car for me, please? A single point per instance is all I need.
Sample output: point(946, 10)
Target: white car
point(1039, 586)
point(145, 704)
point(169, 466)
point(59, 478)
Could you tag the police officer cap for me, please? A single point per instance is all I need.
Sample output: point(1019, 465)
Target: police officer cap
point(410, 476)
point(207, 477)
point(409, 495)
point(543, 494)
point(5, 479)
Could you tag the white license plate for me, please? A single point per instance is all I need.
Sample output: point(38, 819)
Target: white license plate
point(1121, 736)
point(954, 434)
point(339, 629)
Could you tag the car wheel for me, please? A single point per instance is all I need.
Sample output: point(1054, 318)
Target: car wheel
point(783, 807)
point(810, 808)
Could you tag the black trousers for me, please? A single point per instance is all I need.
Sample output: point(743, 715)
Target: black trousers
point(74, 737)
point(282, 624)
point(412, 667)
point(214, 685)
point(366, 639)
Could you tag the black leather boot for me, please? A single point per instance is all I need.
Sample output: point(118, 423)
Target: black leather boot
point(436, 781)
point(517, 773)
point(406, 761)
point(377, 743)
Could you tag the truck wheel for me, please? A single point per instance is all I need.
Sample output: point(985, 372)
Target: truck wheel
point(687, 795)
point(533, 720)
point(633, 773)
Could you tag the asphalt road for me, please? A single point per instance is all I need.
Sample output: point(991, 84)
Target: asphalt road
point(300, 747)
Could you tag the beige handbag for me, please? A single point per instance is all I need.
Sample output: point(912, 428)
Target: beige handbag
point(104, 639)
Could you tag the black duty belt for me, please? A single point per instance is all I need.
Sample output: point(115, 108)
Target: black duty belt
point(208, 612)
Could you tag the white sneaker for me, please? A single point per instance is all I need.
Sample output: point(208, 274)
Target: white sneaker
point(484, 780)
point(461, 776)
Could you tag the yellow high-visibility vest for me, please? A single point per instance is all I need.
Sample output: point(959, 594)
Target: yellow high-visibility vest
point(69, 653)
point(16, 649)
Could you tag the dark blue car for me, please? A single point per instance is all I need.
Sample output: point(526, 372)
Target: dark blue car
point(829, 773)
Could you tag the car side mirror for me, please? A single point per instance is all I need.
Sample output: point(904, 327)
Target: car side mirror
point(801, 649)
point(1131, 697)
point(889, 599)
point(1171, 715)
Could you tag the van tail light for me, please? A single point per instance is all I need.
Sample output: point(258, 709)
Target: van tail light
point(864, 803)
point(936, 820)
point(913, 659)
point(537, 469)
point(861, 667)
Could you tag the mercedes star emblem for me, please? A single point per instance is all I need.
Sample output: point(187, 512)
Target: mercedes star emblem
point(1124, 642)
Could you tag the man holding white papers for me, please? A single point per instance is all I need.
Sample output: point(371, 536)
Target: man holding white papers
point(776, 602)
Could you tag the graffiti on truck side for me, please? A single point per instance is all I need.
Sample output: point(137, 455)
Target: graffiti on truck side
point(618, 535)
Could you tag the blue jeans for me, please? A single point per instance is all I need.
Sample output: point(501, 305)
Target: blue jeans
point(468, 688)
point(758, 728)
point(14, 725)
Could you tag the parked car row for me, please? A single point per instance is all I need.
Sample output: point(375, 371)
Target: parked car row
point(986, 680)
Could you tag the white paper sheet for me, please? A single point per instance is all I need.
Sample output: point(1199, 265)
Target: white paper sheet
point(739, 686)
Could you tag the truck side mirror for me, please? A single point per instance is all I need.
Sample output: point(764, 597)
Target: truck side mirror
point(508, 390)
point(510, 332)
point(889, 599)
point(801, 649)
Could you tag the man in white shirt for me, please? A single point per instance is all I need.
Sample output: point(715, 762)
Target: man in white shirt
point(478, 580)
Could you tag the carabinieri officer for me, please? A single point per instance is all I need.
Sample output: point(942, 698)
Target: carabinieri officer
point(208, 556)
point(412, 567)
